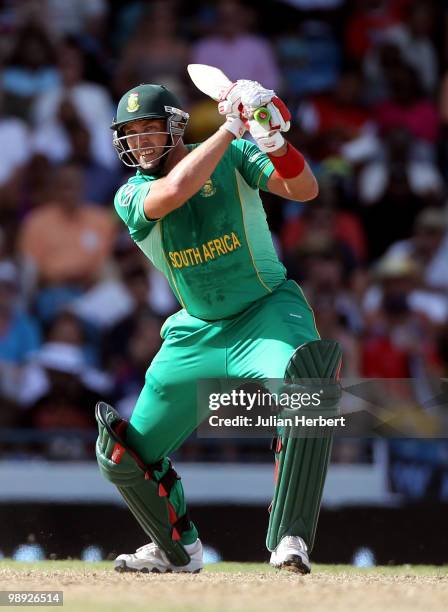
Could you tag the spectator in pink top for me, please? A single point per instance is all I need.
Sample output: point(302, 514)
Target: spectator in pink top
point(235, 50)
point(407, 107)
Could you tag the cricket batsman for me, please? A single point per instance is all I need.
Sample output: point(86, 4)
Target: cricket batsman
point(195, 212)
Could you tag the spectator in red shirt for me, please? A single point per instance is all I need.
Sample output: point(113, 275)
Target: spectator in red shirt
point(401, 322)
point(370, 21)
point(337, 117)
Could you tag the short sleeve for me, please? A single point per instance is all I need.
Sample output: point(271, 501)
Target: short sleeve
point(254, 165)
point(129, 204)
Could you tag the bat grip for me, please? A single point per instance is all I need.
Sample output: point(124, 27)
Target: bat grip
point(262, 115)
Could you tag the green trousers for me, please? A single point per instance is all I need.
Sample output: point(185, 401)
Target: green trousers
point(255, 344)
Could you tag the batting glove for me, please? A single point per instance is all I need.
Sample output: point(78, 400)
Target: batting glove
point(229, 102)
point(234, 125)
point(253, 96)
point(230, 105)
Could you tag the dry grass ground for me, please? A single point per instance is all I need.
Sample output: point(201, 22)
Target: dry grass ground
point(234, 587)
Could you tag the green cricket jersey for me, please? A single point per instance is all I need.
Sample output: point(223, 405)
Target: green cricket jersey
point(216, 250)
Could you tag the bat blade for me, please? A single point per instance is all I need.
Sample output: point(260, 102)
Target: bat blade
point(208, 79)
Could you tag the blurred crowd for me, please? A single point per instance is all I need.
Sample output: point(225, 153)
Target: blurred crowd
point(367, 84)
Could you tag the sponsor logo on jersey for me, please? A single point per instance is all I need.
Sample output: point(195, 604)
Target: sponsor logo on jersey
point(133, 103)
point(208, 189)
point(255, 156)
point(223, 245)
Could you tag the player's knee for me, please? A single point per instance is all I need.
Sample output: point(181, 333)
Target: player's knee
point(145, 443)
point(314, 368)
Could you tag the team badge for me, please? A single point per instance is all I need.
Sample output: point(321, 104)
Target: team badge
point(208, 189)
point(133, 104)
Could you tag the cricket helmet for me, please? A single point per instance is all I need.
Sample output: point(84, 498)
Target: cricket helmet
point(148, 101)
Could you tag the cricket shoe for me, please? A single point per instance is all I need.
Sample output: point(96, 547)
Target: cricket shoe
point(292, 555)
point(150, 558)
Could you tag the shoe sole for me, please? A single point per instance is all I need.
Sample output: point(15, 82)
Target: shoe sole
point(122, 568)
point(294, 564)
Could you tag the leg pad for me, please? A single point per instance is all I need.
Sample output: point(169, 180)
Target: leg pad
point(145, 491)
point(302, 460)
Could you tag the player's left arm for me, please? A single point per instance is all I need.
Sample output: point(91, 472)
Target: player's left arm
point(292, 177)
point(301, 187)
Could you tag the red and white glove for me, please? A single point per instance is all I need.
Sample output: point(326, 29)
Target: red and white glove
point(244, 97)
point(253, 96)
point(234, 125)
point(231, 103)
point(268, 134)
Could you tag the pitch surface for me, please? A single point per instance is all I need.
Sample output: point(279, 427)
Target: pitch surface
point(233, 587)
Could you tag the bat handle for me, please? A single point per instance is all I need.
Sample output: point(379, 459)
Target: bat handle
point(262, 115)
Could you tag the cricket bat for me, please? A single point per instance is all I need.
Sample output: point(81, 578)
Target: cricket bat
point(212, 81)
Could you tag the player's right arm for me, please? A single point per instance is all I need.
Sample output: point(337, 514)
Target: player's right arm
point(187, 177)
point(191, 172)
